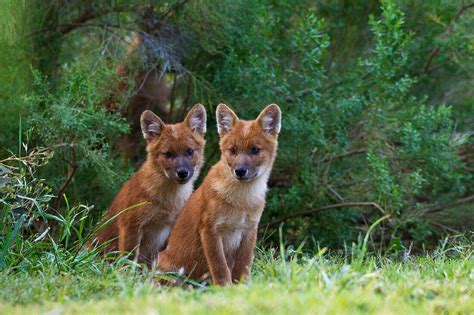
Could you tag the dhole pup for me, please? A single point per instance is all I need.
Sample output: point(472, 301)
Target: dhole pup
point(163, 184)
point(217, 228)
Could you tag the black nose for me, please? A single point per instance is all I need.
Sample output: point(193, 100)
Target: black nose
point(241, 172)
point(182, 174)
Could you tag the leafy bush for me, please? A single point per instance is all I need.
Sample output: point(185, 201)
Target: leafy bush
point(82, 134)
point(377, 120)
point(24, 199)
point(362, 137)
point(34, 237)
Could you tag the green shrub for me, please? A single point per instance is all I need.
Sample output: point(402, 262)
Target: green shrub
point(376, 100)
point(361, 137)
point(81, 133)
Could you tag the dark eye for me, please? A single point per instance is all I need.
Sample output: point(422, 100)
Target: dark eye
point(169, 154)
point(232, 151)
point(255, 150)
point(189, 152)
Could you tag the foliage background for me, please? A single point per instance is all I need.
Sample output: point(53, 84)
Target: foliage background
point(377, 100)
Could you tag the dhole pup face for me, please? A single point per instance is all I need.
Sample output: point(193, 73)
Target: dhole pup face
point(176, 150)
point(248, 147)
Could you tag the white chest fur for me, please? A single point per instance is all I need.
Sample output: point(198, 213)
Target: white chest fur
point(155, 237)
point(231, 241)
point(162, 236)
point(166, 207)
point(232, 225)
point(177, 199)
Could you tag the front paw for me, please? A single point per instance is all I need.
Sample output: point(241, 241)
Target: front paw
point(222, 281)
point(240, 274)
point(240, 279)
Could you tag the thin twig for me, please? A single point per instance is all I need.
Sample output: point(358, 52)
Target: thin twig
point(458, 202)
point(299, 94)
point(343, 155)
point(315, 210)
point(172, 9)
point(144, 80)
point(172, 98)
point(444, 227)
point(87, 15)
point(449, 29)
point(184, 104)
point(73, 165)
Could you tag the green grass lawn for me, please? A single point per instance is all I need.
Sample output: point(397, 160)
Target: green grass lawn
point(438, 283)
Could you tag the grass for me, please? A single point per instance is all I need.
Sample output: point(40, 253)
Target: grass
point(50, 272)
point(439, 283)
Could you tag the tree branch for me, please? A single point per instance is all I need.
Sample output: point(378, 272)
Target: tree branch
point(343, 155)
point(73, 165)
point(172, 98)
point(444, 227)
point(172, 9)
point(449, 29)
point(86, 16)
point(313, 211)
point(458, 202)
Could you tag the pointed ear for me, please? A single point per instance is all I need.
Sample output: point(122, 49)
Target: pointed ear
point(196, 119)
point(226, 119)
point(151, 124)
point(270, 119)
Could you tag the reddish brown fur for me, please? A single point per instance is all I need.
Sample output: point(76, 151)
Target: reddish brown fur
point(146, 227)
point(216, 231)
